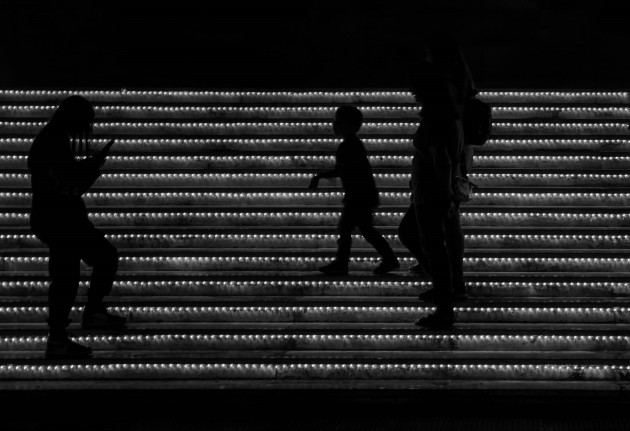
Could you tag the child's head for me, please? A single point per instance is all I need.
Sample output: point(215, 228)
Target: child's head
point(348, 120)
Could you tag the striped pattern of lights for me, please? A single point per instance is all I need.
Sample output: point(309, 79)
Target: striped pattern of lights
point(314, 111)
point(261, 143)
point(316, 371)
point(573, 96)
point(293, 178)
point(164, 261)
point(329, 240)
point(322, 127)
point(350, 313)
point(331, 217)
point(417, 342)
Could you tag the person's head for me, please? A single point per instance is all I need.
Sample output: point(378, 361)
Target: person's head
point(75, 116)
point(442, 48)
point(348, 121)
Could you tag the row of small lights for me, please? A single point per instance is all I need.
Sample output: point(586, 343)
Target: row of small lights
point(330, 214)
point(224, 370)
point(19, 341)
point(255, 237)
point(295, 195)
point(136, 310)
point(302, 176)
point(313, 123)
point(327, 109)
point(620, 94)
point(306, 141)
point(318, 260)
point(340, 284)
point(323, 158)
point(330, 283)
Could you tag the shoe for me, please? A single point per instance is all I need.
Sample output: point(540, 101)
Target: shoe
point(101, 319)
point(334, 268)
point(437, 320)
point(387, 265)
point(417, 269)
point(429, 295)
point(65, 348)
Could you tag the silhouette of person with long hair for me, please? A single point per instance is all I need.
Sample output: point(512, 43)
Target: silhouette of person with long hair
point(431, 228)
point(360, 197)
point(59, 219)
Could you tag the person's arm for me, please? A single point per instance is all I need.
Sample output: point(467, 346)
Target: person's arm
point(74, 178)
point(332, 173)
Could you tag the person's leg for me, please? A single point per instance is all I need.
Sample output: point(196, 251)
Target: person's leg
point(102, 256)
point(64, 268)
point(455, 246)
point(99, 253)
point(430, 224)
point(410, 237)
point(365, 223)
point(339, 266)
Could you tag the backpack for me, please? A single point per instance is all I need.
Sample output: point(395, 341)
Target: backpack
point(477, 121)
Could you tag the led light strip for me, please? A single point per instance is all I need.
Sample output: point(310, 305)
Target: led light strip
point(318, 194)
point(333, 237)
point(316, 371)
point(328, 110)
point(360, 284)
point(312, 124)
point(87, 93)
point(265, 161)
point(303, 142)
point(216, 310)
point(466, 216)
point(303, 263)
point(461, 342)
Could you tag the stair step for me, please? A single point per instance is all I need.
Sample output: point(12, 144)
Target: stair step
point(301, 196)
point(314, 238)
point(210, 146)
point(301, 371)
point(362, 259)
point(313, 127)
point(305, 96)
point(309, 161)
point(417, 346)
point(471, 215)
point(287, 178)
point(177, 283)
point(310, 111)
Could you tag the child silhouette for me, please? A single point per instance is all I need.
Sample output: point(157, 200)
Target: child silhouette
point(360, 195)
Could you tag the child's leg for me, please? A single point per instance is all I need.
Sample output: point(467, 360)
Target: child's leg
point(365, 222)
point(347, 222)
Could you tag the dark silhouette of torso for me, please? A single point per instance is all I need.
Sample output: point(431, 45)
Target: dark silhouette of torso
point(356, 174)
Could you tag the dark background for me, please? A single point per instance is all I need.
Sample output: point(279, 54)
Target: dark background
point(307, 43)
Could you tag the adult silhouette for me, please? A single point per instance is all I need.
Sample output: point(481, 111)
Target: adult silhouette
point(61, 173)
point(431, 228)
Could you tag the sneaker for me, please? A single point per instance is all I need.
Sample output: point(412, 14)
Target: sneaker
point(387, 265)
point(437, 320)
point(334, 268)
point(65, 348)
point(101, 319)
point(429, 295)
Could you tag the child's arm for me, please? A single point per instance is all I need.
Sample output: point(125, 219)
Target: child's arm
point(333, 173)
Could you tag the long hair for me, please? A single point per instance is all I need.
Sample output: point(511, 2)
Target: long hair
point(75, 116)
point(447, 55)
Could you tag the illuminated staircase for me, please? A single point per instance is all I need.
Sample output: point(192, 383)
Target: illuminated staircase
point(205, 195)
